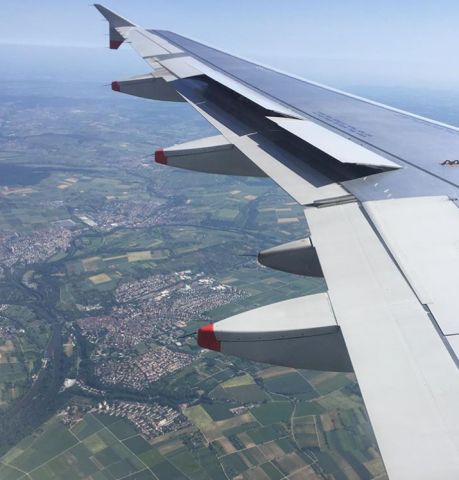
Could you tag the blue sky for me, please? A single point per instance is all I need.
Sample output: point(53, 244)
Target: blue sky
point(379, 42)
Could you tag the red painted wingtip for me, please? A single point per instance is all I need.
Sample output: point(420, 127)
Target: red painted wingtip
point(207, 338)
point(115, 44)
point(116, 87)
point(160, 157)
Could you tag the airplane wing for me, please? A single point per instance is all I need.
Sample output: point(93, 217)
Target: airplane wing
point(379, 188)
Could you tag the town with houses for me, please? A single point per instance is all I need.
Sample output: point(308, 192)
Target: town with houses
point(34, 247)
point(155, 310)
point(151, 419)
point(142, 370)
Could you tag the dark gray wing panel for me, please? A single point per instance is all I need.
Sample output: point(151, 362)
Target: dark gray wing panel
point(417, 142)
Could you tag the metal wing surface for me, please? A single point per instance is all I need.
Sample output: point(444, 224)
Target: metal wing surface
point(379, 188)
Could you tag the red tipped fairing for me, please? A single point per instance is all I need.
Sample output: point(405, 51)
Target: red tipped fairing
point(160, 157)
point(207, 338)
point(115, 44)
point(213, 154)
point(116, 86)
point(300, 333)
point(148, 86)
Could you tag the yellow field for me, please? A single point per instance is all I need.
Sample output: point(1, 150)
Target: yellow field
point(108, 259)
point(215, 430)
point(338, 399)
point(275, 371)
point(291, 463)
point(226, 445)
point(322, 377)
point(16, 191)
point(229, 280)
point(234, 421)
point(160, 254)
point(239, 381)
point(5, 353)
point(68, 348)
point(139, 256)
point(101, 278)
point(90, 263)
point(94, 443)
point(7, 347)
point(7, 359)
point(199, 417)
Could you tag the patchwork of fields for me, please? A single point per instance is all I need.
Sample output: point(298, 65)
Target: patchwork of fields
point(296, 424)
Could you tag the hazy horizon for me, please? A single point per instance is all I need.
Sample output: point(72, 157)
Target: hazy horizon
point(339, 44)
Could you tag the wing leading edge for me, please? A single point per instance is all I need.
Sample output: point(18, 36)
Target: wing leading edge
point(371, 181)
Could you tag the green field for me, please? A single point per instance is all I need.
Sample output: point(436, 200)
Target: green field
point(199, 417)
point(290, 384)
point(273, 412)
point(21, 351)
point(242, 394)
point(217, 411)
point(89, 450)
point(238, 381)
